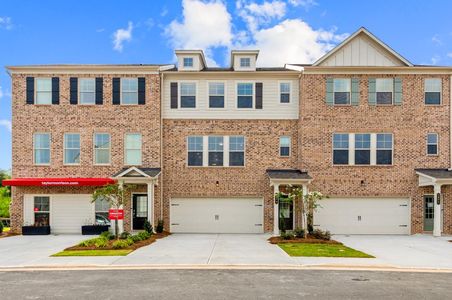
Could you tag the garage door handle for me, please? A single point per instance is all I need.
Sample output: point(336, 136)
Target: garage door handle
point(175, 224)
point(403, 225)
point(257, 204)
point(174, 204)
point(257, 224)
point(403, 205)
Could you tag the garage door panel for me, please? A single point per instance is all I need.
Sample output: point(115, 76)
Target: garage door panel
point(69, 212)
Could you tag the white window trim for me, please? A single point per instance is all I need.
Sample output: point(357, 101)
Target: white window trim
point(208, 95)
point(352, 156)
point(50, 149)
point(94, 149)
point(392, 92)
point(125, 148)
point(350, 92)
point(36, 90)
point(188, 151)
point(179, 94)
point(290, 92)
point(236, 92)
point(122, 90)
point(192, 63)
point(440, 92)
point(437, 144)
point(290, 146)
point(50, 208)
point(79, 91)
point(374, 136)
point(371, 156)
point(245, 58)
point(224, 151)
point(64, 149)
point(227, 138)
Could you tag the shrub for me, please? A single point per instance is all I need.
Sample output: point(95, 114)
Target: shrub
point(120, 244)
point(1, 227)
point(98, 242)
point(287, 236)
point(101, 243)
point(320, 234)
point(148, 227)
point(130, 241)
point(136, 238)
point(124, 235)
point(107, 235)
point(159, 228)
point(144, 235)
point(299, 232)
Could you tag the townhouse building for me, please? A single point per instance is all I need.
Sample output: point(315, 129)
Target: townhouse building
point(207, 148)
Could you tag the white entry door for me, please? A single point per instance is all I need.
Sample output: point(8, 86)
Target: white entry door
point(364, 215)
point(216, 215)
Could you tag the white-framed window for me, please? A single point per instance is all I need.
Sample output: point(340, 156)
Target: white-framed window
point(101, 211)
point(432, 144)
point(102, 146)
point(237, 151)
point(245, 62)
point(362, 149)
point(132, 150)
point(284, 146)
point(188, 62)
point(71, 149)
point(384, 149)
point(385, 90)
point(216, 151)
point(216, 94)
point(41, 148)
point(41, 209)
point(195, 151)
point(87, 90)
point(340, 148)
point(187, 94)
point(43, 90)
point(245, 94)
point(342, 91)
point(284, 92)
point(432, 91)
point(129, 91)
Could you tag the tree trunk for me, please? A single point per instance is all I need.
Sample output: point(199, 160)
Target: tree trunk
point(116, 229)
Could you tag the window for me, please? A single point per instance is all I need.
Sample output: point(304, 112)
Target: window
point(215, 150)
point(195, 150)
point(245, 95)
point(188, 62)
point(101, 148)
point(384, 149)
point(236, 151)
point(129, 90)
point(432, 88)
point(284, 146)
point(87, 91)
point(72, 149)
point(342, 88)
point(432, 144)
point(362, 149)
point(188, 95)
point(384, 89)
point(133, 149)
point(101, 211)
point(216, 94)
point(43, 91)
point(41, 148)
point(284, 92)
point(41, 208)
point(340, 148)
point(245, 62)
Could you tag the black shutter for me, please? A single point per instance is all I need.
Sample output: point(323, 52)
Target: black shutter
point(141, 90)
point(55, 90)
point(73, 89)
point(258, 95)
point(99, 91)
point(173, 95)
point(116, 91)
point(30, 90)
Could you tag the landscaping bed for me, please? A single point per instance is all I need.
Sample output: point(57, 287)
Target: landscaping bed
point(97, 252)
point(308, 240)
point(6, 232)
point(321, 250)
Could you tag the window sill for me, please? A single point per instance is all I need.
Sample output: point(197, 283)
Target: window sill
point(365, 166)
point(71, 165)
point(41, 165)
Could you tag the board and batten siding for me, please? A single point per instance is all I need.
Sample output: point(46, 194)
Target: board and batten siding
point(272, 108)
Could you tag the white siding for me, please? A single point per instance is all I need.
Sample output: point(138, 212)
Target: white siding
point(272, 108)
point(29, 216)
point(197, 65)
point(237, 66)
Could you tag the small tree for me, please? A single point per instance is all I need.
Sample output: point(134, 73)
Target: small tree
point(114, 194)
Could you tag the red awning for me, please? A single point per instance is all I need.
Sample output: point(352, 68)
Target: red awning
point(58, 181)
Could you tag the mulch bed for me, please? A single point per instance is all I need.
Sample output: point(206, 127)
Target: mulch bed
point(7, 234)
point(308, 240)
point(135, 246)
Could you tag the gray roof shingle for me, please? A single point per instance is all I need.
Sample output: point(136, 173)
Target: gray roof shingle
point(287, 174)
point(152, 172)
point(436, 173)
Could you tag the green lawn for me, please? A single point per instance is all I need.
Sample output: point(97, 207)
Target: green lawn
point(321, 250)
point(119, 252)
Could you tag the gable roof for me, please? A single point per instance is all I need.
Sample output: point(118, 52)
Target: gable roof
point(363, 31)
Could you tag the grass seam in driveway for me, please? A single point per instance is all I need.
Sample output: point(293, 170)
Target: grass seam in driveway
point(321, 250)
point(118, 252)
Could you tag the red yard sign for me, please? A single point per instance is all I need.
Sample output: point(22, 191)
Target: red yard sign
point(116, 214)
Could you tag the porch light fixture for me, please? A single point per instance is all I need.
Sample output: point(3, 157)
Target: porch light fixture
point(438, 198)
point(217, 183)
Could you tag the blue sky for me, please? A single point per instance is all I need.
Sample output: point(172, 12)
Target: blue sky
point(290, 31)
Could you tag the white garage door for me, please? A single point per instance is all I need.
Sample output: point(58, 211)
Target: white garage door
point(217, 215)
point(364, 215)
point(69, 212)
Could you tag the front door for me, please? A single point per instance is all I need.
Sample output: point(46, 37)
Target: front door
point(139, 211)
point(429, 209)
point(285, 215)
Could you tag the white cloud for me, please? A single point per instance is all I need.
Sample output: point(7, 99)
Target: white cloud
point(303, 3)
point(436, 40)
point(256, 15)
point(6, 23)
point(1, 92)
point(6, 124)
point(99, 30)
point(164, 11)
point(5, 93)
point(122, 35)
point(449, 54)
point(435, 59)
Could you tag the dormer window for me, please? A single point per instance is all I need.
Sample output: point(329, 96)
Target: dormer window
point(188, 62)
point(245, 62)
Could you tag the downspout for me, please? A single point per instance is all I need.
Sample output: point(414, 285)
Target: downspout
point(161, 145)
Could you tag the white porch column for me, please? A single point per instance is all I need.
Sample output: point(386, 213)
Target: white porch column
point(151, 203)
point(275, 211)
point(437, 210)
point(120, 222)
point(304, 215)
